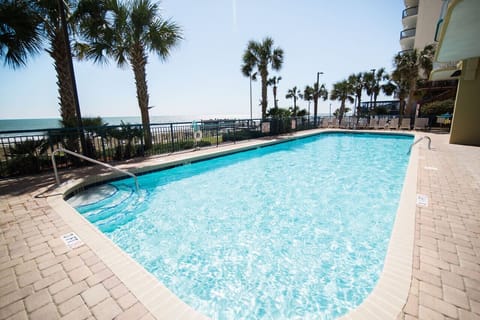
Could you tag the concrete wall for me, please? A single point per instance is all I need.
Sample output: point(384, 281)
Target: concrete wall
point(428, 14)
point(466, 116)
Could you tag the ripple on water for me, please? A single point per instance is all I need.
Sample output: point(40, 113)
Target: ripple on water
point(296, 230)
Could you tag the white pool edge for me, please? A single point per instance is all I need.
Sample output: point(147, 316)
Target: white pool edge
point(384, 302)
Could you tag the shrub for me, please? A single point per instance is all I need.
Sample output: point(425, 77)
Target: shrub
point(437, 108)
point(240, 135)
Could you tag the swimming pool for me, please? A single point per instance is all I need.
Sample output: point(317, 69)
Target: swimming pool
point(263, 234)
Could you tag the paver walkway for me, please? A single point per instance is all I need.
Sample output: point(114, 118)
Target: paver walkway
point(41, 278)
point(446, 270)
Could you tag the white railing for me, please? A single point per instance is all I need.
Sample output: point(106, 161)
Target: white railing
point(91, 160)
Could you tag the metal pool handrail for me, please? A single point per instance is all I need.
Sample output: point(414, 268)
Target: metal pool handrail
point(418, 140)
point(91, 160)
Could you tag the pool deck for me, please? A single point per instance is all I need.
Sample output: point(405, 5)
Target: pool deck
point(42, 278)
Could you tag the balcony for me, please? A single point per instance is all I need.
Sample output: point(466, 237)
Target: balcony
point(409, 17)
point(407, 38)
point(410, 3)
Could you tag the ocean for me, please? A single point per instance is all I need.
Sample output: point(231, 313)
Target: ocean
point(52, 123)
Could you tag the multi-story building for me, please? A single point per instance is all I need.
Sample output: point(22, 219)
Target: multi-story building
point(419, 21)
point(421, 25)
point(458, 34)
point(454, 25)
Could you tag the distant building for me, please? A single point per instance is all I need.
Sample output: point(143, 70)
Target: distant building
point(388, 107)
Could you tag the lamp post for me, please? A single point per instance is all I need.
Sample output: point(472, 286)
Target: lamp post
point(315, 97)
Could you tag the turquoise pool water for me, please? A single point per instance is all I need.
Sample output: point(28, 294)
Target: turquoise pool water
point(298, 230)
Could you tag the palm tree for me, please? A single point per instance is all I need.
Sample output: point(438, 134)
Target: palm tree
point(389, 86)
point(409, 68)
point(336, 113)
point(319, 91)
point(369, 84)
point(274, 82)
point(425, 59)
point(25, 27)
point(20, 34)
point(379, 79)
point(405, 76)
point(127, 32)
point(262, 55)
point(342, 91)
point(294, 94)
point(357, 82)
point(307, 95)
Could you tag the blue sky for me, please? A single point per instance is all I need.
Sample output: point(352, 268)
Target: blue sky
point(202, 76)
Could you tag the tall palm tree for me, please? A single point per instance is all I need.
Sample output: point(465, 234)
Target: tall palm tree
point(307, 95)
point(20, 34)
point(294, 94)
point(369, 84)
point(358, 84)
point(405, 76)
point(127, 32)
point(425, 59)
point(410, 67)
point(41, 20)
point(379, 79)
point(262, 55)
point(274, 82)
point(319, 91)
point(343, 92)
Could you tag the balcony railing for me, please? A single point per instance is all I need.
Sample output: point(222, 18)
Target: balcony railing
point(405, 51)
point(409, 12)
point(407, 33)
point(445, 65)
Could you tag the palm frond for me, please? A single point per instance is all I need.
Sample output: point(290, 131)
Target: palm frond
point(20, 33)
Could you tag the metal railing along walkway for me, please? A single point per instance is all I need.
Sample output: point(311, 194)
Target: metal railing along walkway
point(90, 160)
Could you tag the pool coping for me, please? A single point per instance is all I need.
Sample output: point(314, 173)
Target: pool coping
point(384, 302)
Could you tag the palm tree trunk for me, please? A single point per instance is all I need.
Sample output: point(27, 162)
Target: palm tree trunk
point(275, 97)
point(342, 110)
point(294, 105)
point(58, 53)
point(401, 110)
point(359, 102)
point(411, 93)
point(138, 62)
point(264, 75)
point(315, 108)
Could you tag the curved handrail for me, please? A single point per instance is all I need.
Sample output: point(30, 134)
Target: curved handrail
point(418, 140)
point(91, 160)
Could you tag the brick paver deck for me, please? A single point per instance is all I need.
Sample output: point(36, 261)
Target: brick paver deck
point(42, 278)
point(446, 269)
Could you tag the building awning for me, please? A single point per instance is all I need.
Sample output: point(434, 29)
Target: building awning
point(460, 32)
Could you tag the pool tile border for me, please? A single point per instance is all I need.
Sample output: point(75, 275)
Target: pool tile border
point(384, 302)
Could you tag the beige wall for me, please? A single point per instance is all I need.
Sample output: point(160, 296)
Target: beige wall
point(466, 117)
point(428, 14)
